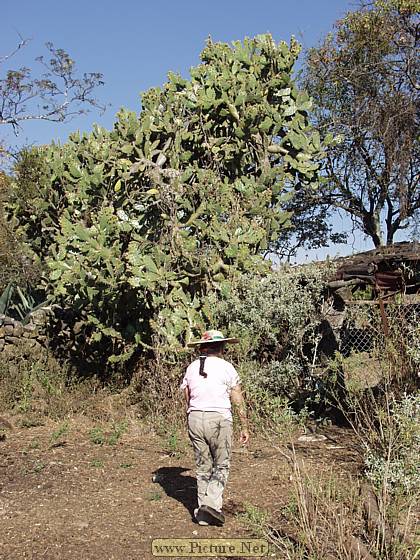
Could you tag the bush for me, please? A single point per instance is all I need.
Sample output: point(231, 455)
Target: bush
point(394, 463)
point(39, 386)
point(16, 264)
point(277, 319)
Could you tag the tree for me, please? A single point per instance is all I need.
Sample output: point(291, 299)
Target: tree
point(365, 81)
point(136, 226)
point(58, 94)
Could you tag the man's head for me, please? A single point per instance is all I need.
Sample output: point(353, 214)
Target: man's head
point(212, 337)
point(213, 348)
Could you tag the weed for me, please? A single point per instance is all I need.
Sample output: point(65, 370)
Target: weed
point(60, 431)
point(173, 443)
point(31, 422)
point(126, 465)
point(97, 436)
point(97, 463)
point(35, 444)
point(25, 393)
point(38, 467)
point(255, 519)
point(154, 496)
point(118, 430)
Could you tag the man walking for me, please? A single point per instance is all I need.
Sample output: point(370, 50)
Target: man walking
point(211, 386)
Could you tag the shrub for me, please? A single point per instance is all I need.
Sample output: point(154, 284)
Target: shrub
point(38, 385)
point(277, 319)
point(394, 463)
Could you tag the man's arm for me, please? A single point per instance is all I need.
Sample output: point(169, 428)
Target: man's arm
point(238, 402)
point(187, 397)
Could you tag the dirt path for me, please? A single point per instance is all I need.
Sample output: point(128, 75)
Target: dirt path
point(63, 497)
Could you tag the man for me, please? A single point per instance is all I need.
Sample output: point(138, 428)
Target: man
point(211, 385)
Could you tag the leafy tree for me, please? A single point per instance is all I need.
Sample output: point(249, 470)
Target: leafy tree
point(138, 225)
point(57, 94)
point(365, 82)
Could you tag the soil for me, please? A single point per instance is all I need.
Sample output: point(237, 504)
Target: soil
point(64, 497)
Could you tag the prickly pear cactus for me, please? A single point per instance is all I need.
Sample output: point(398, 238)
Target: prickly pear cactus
point(138, 224)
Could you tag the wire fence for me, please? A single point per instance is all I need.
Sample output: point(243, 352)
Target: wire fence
point(367, 325)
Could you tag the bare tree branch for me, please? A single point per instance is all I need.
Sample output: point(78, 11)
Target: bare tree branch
point(58, 94)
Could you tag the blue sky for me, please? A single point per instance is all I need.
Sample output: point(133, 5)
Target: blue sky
point(135, 43)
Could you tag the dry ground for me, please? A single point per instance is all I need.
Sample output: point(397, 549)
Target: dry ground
point(64, 497)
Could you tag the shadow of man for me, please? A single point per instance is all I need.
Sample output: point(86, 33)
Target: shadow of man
point(178, 486)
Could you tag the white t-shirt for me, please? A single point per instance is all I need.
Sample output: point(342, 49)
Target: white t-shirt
point(211, 393)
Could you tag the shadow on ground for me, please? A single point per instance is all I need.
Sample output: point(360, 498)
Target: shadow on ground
point(178, 486)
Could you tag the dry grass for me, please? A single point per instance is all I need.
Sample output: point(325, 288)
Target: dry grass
point(333, 518)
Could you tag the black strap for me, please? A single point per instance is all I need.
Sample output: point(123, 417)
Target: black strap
point(202, 360)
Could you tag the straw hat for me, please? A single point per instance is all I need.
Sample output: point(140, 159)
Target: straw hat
point(212, 336)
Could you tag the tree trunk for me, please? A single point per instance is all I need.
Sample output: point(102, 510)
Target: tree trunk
point(372, 228)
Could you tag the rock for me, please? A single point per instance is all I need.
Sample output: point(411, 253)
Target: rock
point(30, 331)
point(312, 437)
point(8, 329)
point(78, 327)
point(39, 317)
point(2, 332)
point(18, 330)
point(2, 343)
point(12, 340)
point(28, 334)
point(29, 342)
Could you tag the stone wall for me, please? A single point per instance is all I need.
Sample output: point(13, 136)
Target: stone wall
point(27, 336)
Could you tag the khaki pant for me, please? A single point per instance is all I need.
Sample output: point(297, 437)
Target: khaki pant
point(211, 437)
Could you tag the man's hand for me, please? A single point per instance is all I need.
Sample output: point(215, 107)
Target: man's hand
point(244, 437)
point(239, 405)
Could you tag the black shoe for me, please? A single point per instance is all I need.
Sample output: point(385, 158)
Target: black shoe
point(211, 516)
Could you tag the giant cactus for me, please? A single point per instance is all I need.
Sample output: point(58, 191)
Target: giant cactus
point(139, 223)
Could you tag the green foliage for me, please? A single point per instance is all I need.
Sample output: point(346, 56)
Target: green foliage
point(39, 466)
point(174, 443)
point(18, 303)
point(413, 345)
point(255, 519)
point(97, 436)
point(268, 406)
point(29, 383)
point(29, 190)
point(277, 319)
point(118, 430)
point(62, 430)
point(154, 496)
point(5, 298)
point(137, 225)
point(395, 463)
point(15, 258)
